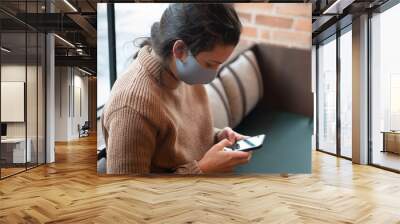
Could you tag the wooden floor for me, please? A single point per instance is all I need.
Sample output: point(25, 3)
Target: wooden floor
point(8, 171)
point(70, 191)
point(11, 170)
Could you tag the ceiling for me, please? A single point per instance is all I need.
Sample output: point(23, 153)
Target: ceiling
point(74, 22)
point(331, 15)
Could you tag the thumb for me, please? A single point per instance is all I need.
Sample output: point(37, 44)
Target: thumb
point(223, 143)
point(231, 136)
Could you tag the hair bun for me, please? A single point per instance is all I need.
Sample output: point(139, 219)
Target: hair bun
point(155, 33)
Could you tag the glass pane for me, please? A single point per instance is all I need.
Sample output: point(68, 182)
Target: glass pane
point(126, 33)
point(386, 89)
point(31, 99)
point(103, 72)
point(346, 94)
point(13, 87)
point(327, 96)
point(32, 90)
point(41, 98)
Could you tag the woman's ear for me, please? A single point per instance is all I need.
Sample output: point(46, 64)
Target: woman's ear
point(179, 50)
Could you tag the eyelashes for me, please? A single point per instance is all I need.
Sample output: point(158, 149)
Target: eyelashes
point(209, 65)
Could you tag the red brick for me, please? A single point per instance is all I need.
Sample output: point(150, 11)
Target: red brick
point(302, 24)
point(294, 9)
point(252, 7)
point(244, 43)
point(265, 34)
point(249, 31)
point(244, 17)
point(274, 21)
point(290, 38)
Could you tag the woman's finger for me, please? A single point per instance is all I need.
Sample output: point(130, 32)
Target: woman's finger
point(232, 136)
point(237, 162)
point(240, 136)
point(223, 143)
point(250, 155)
point(238, 154)
point(229, 129)
point(242, 162)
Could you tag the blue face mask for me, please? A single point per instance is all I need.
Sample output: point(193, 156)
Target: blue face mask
point(191, 72)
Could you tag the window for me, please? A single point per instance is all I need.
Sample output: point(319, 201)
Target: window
point(126, 33)
point(103, 72)
point(346, 93)
point(335, 74)
point(385, 89)
point(327, 96)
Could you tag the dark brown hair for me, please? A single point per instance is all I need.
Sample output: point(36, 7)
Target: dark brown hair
point(200, 26)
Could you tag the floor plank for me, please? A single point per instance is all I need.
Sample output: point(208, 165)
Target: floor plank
point(70, 191)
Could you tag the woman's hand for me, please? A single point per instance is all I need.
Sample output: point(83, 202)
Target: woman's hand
point(216, 160)
point(230, 134)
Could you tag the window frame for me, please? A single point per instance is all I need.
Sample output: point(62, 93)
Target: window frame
point(333, 37)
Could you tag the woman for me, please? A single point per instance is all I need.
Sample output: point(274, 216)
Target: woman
point(158, 119)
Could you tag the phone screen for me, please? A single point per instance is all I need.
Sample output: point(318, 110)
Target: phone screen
point(249, 143)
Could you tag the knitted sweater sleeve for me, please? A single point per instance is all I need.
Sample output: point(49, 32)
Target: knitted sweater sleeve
point(189, 168)
point(131, 142)
point(131, 139)
point(193, 167)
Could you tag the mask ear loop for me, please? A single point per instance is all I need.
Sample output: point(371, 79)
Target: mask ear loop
point(184, 48)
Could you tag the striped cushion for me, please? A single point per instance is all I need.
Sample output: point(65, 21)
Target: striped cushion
point(243, 85)
point(219, 104)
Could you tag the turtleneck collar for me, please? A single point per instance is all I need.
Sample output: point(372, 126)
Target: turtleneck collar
point(154, 67)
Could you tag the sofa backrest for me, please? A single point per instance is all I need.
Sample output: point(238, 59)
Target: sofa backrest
point(275, 77)
point(286, 78)
point(219, 104)
point(236, 91)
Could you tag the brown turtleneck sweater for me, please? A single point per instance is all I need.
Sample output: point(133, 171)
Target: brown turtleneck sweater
point(154, 123)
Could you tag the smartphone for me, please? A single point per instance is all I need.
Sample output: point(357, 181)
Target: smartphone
point(247, 144)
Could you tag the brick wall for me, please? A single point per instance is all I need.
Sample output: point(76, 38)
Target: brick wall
point(285, 24)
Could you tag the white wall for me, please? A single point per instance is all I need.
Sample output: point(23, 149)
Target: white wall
point(70, 83)
point(82, 83)
point(61, 103)
point(14, 72)
point(33, 127)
